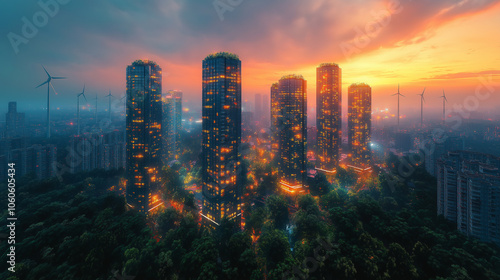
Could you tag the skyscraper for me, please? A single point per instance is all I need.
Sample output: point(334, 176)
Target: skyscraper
point(14, 121)
point(143, 134)
point(221, 138)
point(359, 124)
point(292, 133)
point(265, 111)
point(172, 125)
point(275, 112)
point(258, 109)
point(328, 115)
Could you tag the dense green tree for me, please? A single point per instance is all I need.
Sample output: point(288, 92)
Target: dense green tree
point(168, 219)
point(275, 247)
point(72, 229)
point(256, 219)
point(277, 207)
point(346, 177)
point(319, 185)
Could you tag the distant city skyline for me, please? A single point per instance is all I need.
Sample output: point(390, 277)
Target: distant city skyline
point(438, 45)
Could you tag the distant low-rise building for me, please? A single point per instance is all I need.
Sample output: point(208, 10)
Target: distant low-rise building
point(14, 122)
point(38, 160)
point(97, 151)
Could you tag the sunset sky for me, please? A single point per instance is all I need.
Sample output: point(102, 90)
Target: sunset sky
point(444, 44)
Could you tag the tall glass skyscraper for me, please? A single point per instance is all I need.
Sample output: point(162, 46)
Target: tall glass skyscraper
point(328, 116)
point(292, 133)
point(143, 134)
point(359, 121)
point(221, 138)
point(172, 125)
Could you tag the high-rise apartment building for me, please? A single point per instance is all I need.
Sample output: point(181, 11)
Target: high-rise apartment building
point(328, 116)
point(468, 191)
point(291, 133)
point(265, 111)
point(221, 138)
point(143, 134)
point(258, 109)
point(359, 125)
point(172, 125)
point(14, 121)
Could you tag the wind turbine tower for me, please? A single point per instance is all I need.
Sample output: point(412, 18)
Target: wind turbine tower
point(444, 106)
point(49, 84)
point(422, 100)
point(78, 107)
point(109, 105)
point(398, 94)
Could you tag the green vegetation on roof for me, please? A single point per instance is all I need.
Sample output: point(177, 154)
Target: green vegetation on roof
point(328, 64)
point(359, 85)
point(141, 62)
point(292, 76)
point(223, 55)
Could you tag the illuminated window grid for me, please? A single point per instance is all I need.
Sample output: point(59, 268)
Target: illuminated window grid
point(221, 133)
point(359, 124)
point(143, 133)
point(328, 116)
point(292, 129)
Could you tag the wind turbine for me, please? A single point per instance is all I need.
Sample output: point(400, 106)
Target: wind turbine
point(398, 94)
point(78, 107)
point(444, 106)
point(49, 84)
point(109, 106)
point(422, 100)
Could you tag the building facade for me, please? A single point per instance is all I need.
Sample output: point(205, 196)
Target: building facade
point(221, 139)
point(359, 124)
point(468, 191)
point(258, 109)
point(14, 122)
point(172, 126)
point(441, 147)
point(97, 151)
point(292, 133)
point(328, 116)
point(143, 134)
point(275, 112)
point(37, 160)
point(265, 111)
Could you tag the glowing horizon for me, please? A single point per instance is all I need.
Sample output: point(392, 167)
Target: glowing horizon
point(445, 45)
